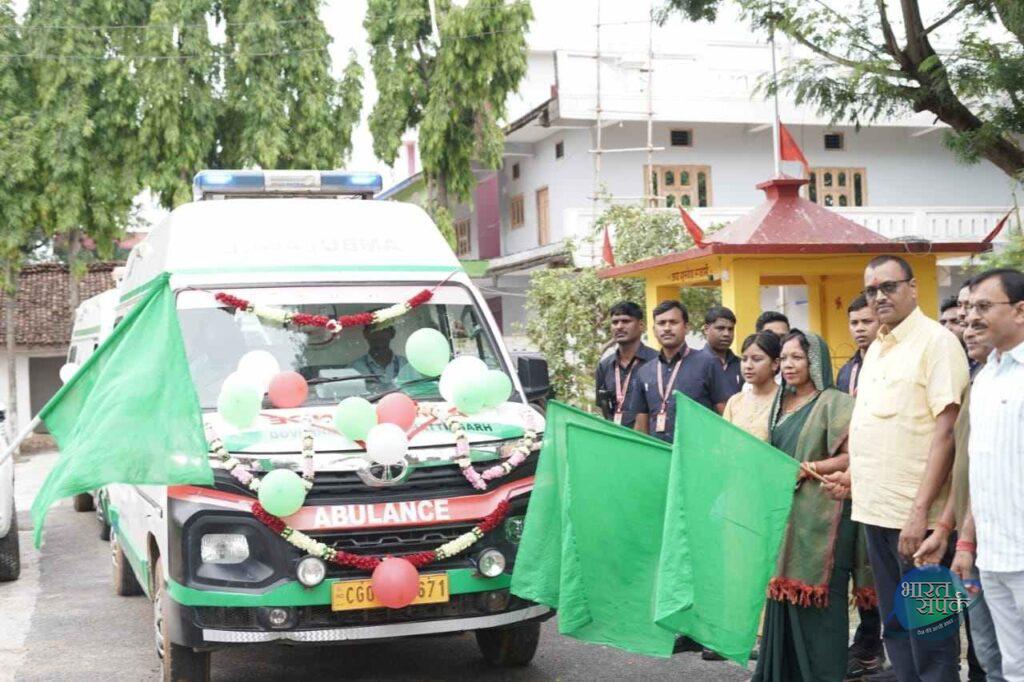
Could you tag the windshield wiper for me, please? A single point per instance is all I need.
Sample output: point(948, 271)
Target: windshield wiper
point(316, 381)
point(377, 396)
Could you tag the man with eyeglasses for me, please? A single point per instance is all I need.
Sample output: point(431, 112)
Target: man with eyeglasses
point(901, 451)
point(995, 312)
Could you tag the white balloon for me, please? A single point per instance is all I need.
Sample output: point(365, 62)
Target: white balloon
point(67, 371)
point(386, 444)
point(463, 369)
point(239, 379)
point(259, 366)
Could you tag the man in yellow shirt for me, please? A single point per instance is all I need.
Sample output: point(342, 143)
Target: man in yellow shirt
point(901, 450)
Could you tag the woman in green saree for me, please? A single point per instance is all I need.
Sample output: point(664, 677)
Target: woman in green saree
point(806, 624)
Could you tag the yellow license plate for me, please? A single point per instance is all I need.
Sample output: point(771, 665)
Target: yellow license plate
point(347, 595)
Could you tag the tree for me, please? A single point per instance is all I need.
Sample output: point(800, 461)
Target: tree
point(282, 106)
point(85, 118)
point(871, 60)
point(18, 189)
point(177, 102)
point(568, 307)
point(454, 91)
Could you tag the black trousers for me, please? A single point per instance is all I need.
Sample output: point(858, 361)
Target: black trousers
point(914, 659)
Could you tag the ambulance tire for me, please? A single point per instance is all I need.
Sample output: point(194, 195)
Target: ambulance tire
point(10, 559)
point(512, 646)
point(125, 582)
point(179, 663)
point(83, 502)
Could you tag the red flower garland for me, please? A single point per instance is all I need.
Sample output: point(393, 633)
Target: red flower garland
point(307, 320)
point(368, 563)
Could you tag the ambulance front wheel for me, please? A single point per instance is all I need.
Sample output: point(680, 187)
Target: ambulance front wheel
point(83, 502)
point(512, 646)
point(179, 663)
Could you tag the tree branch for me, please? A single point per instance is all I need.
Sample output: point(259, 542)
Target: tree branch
point(891, 44)
point(957, 9)
point(843, 61)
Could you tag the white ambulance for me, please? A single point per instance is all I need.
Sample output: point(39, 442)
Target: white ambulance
point(304, 242)
point(94, 320)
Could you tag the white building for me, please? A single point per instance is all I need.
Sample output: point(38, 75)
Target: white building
point(698, 134)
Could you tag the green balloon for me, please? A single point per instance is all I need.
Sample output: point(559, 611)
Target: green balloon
point(428, 351)
point(355, 417)
point(239, 404)
point(282, 492)
point(470, 397)
point(497, 387)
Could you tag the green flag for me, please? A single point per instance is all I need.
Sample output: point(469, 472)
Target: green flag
point(636, 542)
point(729, 496)
point(592, 539)
point(130, 414)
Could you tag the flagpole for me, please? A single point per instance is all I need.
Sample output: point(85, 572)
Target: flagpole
point(25, 433)
point(775, 91)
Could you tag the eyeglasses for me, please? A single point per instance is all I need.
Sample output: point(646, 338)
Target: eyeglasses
point(983, 307)
point(887, 288)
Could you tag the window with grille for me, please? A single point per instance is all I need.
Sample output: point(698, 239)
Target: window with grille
point(838, 187)
point(670, 186)
point(835, 142)
point(463, 246)
point(682, 138)
point(516, 211)
point(559, 150)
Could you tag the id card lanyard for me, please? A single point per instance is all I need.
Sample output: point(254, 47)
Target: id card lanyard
point(622, 388)
point(661, 420)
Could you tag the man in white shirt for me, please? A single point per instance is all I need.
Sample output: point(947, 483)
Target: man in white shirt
point(996, 311)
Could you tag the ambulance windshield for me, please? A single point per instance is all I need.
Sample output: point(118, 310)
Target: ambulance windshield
point(358, 361)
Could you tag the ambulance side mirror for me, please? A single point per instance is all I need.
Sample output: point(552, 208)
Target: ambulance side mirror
point(533, 375)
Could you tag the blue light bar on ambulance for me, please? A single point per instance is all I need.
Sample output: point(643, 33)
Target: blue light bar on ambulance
point(222, 184)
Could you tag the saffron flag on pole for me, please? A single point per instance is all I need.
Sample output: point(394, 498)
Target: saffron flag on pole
point(130, 414)
point(729, 497)
point(789, 150)
point(606, 251)
point(692, 227)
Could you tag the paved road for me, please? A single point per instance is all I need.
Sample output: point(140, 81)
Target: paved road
point(61, 621)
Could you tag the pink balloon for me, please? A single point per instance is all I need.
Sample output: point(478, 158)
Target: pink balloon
point(398, 409)
point(395, 582)
point(288, 389)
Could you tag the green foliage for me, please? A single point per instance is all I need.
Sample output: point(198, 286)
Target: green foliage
point(18, 139)
point(85, 114)
point(873, 59)
point(454, 92)
point(177, 103)
point(442, 217)
point(282, 107)
point(1010, 255)
point(567, 321)
point(568, 308)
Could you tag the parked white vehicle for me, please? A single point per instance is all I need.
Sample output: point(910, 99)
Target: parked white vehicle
point(94, 320)
point(302, 242)
point(10, 559)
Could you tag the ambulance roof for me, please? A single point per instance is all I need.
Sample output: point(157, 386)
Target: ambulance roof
point(280, 240)
point(95, 313)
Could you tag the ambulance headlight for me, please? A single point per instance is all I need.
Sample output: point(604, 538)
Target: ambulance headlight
point(224, 548)
point(311, 571)
point(490, 563)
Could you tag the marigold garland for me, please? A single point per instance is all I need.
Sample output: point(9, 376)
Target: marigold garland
point(454, 422)
point(283, 317)
point(340, 557)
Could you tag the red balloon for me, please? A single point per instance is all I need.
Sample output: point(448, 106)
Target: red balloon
point(398, 409)
point(288, 389)
point(395, 582)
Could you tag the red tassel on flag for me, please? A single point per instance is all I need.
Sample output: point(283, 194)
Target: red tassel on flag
point(693, 228)
point(997, 229)
point(789, 150)
point(607, 253)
